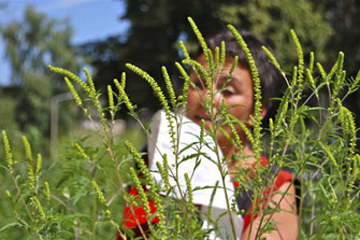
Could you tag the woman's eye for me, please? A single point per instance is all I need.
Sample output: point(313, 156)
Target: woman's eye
point(228, 91)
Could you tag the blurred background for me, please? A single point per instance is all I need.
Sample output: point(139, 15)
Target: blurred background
point(103, 35)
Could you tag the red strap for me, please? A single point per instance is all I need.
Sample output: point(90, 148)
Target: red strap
point(137, 215)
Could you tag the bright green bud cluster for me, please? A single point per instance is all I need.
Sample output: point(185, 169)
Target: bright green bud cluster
point(47, 191)
point(140, 190)
point(331, 156)
point(187, 81)
point(73, 77)
point(28, 153)
point(99, 193)
point(339, 78)
point(310, 77)
point(184, 50)
point(31, 175)
point(123, 80)
point(294, 77)
point(8, 154)
point(311, 62)
point(90, 82)
point(37, 204)
point(190, 201)
point(233, 65)
point(140, 163)
point(151, 81)
point(347, 120)
point(161, 98)
point(234, 207)
point(321, 70)
point(124, 97)
point(282, 110)
point(176, 230)
point(38, 165)
point(82, 152)
point(338, 66)
point(257, 89)
point(235, 134)
point(169, 86)
point(202, 132)
point(248, 133)
point(357, 79)
point(222, 53)
point(110, 98)
point(217, 58)
point(74, 93)
point(201, 40)
point(272, 58)
point(293, 121)
point(164, 171)
point(301, 63)
point(153, 188)
point(199, 68)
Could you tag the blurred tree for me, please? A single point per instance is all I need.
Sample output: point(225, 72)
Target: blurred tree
point(157, 25)
point(344, 17)
point(31, 45)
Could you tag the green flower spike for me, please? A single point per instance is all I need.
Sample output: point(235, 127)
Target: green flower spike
point(311, 62)
point(8, 154)
point(321, 70)
point(184, 50)
point(169, 87)
point(257, 91)
point(73, 77)
point(140, 190)
point(110, 98)
point(187, 81)
point(124, 97)
point(222, 53)
point(38, 165)
point(151, 81)
point(91, 83)
point(37, 203)
point(300, 72)
point(190, 201)
point(201, 40)
point(82, 152)
point(73, 91)
point(47, 191)
point(31, 176)
point(176, 230)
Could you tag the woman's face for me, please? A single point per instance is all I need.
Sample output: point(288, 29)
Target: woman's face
point(238, 93)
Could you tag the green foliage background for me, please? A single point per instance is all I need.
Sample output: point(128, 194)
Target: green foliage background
point(81, 195)
point(323, 26)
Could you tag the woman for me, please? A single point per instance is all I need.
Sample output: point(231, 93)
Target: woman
point(238, 94)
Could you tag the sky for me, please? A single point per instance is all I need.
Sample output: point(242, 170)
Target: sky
point(90, 19)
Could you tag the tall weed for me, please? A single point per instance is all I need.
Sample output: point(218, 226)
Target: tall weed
point(82, 195)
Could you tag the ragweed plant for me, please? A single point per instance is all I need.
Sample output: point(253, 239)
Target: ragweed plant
point(312, 135)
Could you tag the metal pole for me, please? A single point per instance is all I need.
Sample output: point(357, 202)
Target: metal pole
point(54, 123)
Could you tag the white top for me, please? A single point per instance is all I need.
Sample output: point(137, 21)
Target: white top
point(203, 177)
